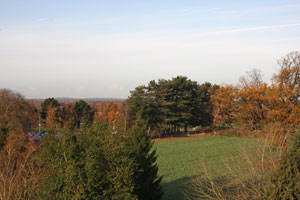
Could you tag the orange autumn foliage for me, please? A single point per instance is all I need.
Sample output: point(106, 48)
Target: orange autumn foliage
point(255, 104)
point(52, 117)
point(18, 173)
point(224, 105)
point(113, 114)
point(251, 105)
point(101, 112)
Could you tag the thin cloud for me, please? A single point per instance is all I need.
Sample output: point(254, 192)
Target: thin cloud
point(254, 28)
point(42, 19)
point(284, 39)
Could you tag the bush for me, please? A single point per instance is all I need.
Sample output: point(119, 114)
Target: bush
point(93, 166)
point(286, 179)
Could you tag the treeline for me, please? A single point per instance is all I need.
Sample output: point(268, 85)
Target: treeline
point(178, 104)
point(80, 114)
point(255, 104)
point(106, 162)
point(170, 106)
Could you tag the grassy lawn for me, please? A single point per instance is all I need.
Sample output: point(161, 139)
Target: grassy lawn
point(178, 160)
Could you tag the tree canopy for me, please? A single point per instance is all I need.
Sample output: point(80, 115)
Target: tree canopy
point(47, 105)
point(169, 105)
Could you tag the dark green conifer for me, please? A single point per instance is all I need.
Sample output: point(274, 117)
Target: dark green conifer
point(146, 181)
point(63, 159)
point(47, 103)
point(96, 165)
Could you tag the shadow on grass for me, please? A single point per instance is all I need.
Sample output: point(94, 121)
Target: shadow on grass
point(174, 190)
point(198, 187)
point(191, 187)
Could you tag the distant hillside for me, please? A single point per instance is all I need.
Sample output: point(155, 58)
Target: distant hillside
point(89, 100)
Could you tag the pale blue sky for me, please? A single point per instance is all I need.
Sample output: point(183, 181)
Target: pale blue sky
point(107, 48)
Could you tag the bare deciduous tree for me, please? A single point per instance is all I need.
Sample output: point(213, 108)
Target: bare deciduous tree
point(252, 78)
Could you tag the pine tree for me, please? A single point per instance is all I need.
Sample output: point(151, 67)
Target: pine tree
point(146, 181)
point(286, 179)
point(109, 165)
point(83, 114)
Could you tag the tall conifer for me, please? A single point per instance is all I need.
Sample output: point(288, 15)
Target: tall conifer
point(146, 181)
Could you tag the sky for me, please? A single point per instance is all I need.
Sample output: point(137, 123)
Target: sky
point(100, 48)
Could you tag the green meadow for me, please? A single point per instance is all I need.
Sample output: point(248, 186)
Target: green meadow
point(180, 160)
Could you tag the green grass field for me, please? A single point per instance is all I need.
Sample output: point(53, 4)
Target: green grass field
point(178, 160)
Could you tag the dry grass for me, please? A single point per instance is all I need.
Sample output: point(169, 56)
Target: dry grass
point(246, 176)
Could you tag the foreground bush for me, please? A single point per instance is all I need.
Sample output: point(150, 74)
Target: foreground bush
point(18, 172)
point(101, 164)
point(286, 179)
point(93, 166)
